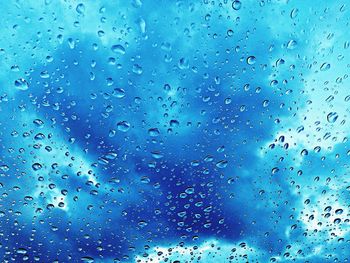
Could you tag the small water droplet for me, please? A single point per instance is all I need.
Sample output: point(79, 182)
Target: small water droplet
point(266, 103)
point(157, 155)
point(4, 168)
point(174, 123)
point(37, 166)
point(251, 60)
point(236, 5)
point(274, 170)
point(137, 69)
point(221, 164)
point(123, 126)
point(153, 132)
point(189, 190)
point(15, 68)
point(183, 63)
point(21, 251)
point(88, 259)
point(118, 49)
point(304, 152)
point(44, 74)
point(332, 117)
point(38, 123)
point(21, 84)
point(292, 44)
point(339, 211)
point(80, 9)
point(119, 93)
point(294, 13)
point(325, 66)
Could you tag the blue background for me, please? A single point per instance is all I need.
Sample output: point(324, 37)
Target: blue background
point(217, 129)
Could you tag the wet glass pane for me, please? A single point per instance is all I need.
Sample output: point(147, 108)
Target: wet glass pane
point(174, 131)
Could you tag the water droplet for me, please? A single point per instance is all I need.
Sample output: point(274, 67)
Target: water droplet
point(145, 180)
point(44, 74)
point(189, 190)
point(119, 93)
point(279, 62)
point(28, 198)
point(80, 9)
point(142, 223)
point(337, 221)
point(39, 136)
point(88, 259)
point(236, 5)
point(111, 155)
point(325, 66)
point(251, 60)
point(328, 209)
point(338, 211)
point(137, 69)
point(142, 25)
point(221, 164)
point(174, 123)
point(118, 49)
point(274, 170)
point(71, 43)
point(4, 168)
point(38, 123)
point(15, 68)
point(123, 126)
point(37, 166)
point(228, 101)
point(183, 63)
point(21, 251)
point(292, 44)
point(332, 117)
point(157, 155)
point(153, 132)
point(317, 149)
point(304, 152)
point(21, 84)
point(294, 13)
point(300, 128)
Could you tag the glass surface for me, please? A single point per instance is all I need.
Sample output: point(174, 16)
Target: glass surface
point(174, 131)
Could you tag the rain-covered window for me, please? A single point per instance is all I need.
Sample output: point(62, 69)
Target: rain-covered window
point(178, 131)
